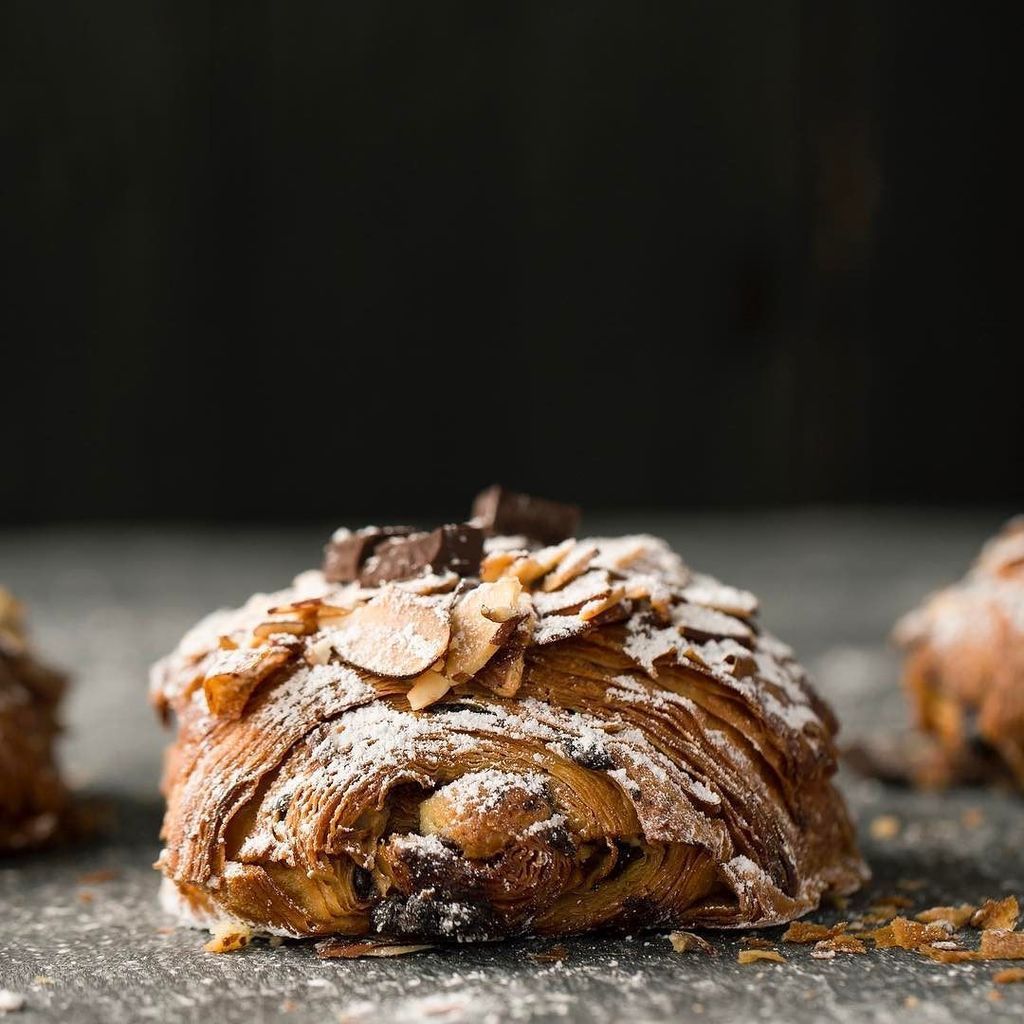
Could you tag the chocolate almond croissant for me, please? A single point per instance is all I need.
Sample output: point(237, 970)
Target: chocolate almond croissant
point(32, 797)
point(492, 729)
point(964, 670)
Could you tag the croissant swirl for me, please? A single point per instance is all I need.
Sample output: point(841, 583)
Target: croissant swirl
point(32, 798)
point(964, 670)
point(554, 739)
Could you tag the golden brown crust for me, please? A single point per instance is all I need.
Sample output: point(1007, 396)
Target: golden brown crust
point(32, 798)
point(605, 740)
point(964, 669)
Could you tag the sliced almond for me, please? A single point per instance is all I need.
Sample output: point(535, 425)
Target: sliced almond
point(501, 601)
point(701, 623)
point(601, 604)
point(232, 675)
point(427, 689)
point(476, 636)
point(396, 635)
point(497, 563)
point(503, 673)
point(265, 630)
point(586, 588)
point(997, 914)
point(332, 949)
point(532, 566)
point(709, 592)
point(571, 565)
point(552, 629)
point(752, 956)
point(687, 942)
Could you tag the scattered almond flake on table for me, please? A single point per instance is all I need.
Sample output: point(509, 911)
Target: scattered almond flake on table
point(752, 956)
point(334, 949)
point(1000, 914)
point(808, 931)
point(687, 942)
point(901, 933)
point(1002, 944)
point(956, 916)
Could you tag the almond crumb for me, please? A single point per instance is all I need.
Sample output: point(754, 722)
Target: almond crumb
point(750, 956)
point(687, 942)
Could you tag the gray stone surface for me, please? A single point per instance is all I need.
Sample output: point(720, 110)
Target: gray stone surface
point(105, 603)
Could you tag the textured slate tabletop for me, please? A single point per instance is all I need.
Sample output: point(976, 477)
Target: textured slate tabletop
point(81, 946)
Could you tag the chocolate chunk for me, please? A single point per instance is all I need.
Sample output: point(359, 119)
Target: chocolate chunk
point(501, 511)
point(362, 884)
point(458, 547)
point(347, 552)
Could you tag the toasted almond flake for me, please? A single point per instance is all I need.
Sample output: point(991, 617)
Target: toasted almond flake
point(333, 949)
point(687, 942)
point(396, 635)
point(497, 563)
point(1000, 914)
point(572, 564)
point(599, 605)
point(275, 627)
point(529, 568)
point(809, 931)
point(711, 593)
point(694, 620)
point(482, 621)
point(232, 675)
point(950, 956)
point(841, 944)
point(1002, 944)
point(228, 937)
point(904, 934)
point(427, 689)
point(751, 956)
point(956, 916)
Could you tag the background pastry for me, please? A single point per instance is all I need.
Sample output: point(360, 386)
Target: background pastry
point(964, 670)
point(490, 729)
point(32, 797)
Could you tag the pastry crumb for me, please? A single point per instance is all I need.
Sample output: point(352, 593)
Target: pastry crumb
point(229, 937)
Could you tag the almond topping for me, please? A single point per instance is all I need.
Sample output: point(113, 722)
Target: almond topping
point(481, 621)
point(396, 635)
point(572, 565)
point(428, 689)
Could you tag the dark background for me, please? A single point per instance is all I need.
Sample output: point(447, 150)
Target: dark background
point(272, 260)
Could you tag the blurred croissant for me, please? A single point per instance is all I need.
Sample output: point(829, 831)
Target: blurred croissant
point(549, 740)
point(32, 798)
point(964, 669)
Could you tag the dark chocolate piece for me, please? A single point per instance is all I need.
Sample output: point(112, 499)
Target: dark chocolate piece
point(345, 557)
point(500, 511)
point(458, 547)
